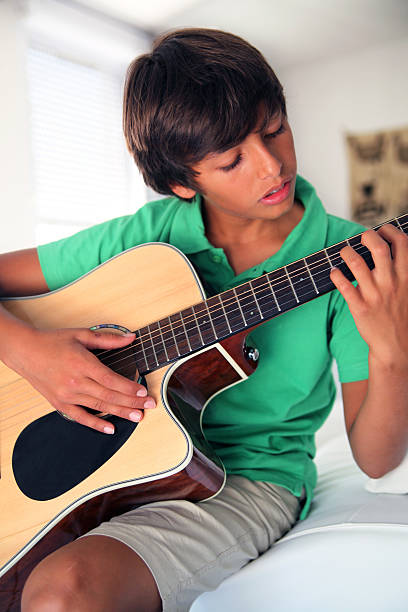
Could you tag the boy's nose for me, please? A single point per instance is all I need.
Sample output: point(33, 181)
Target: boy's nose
point(269, 166)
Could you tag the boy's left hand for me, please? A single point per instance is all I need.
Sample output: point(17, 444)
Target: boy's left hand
point(379, 304)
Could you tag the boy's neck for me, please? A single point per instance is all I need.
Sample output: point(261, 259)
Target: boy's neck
point(224, 230)
point(248, 242)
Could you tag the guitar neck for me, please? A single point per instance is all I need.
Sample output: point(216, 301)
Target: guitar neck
point(228, 313)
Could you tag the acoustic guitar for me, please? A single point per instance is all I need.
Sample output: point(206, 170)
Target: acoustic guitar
point(60, 479)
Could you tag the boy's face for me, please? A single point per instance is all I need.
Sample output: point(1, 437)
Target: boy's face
point(240, 181)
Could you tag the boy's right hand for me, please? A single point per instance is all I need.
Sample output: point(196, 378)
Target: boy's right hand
point(59, 365)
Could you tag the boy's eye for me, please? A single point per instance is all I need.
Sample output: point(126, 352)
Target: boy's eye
point(233, 164)
point(238, 158)
point(280, 130)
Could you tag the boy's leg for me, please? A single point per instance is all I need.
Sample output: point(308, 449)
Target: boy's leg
point(188, 548)
point(95, 574)
point(192, 547)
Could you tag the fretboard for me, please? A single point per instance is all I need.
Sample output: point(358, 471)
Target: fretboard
point(245, 306)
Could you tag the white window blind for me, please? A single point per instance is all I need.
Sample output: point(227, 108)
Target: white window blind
point(83, 173)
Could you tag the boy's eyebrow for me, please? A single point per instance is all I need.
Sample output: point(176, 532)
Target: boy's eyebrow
point(268, 120)
point(265, 122)
point(217, 153)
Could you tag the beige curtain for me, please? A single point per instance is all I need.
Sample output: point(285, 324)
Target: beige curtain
point(378, 164)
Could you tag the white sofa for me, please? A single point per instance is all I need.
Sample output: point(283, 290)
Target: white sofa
point(350, 554)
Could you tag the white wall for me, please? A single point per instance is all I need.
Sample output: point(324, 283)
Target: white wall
point(80, 34)
point(361, 92)
point(17, 215)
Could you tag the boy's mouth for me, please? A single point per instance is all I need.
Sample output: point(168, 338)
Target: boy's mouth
point(278, 194)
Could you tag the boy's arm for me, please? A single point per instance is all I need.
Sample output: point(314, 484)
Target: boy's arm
point(21, 274)
point(57, 362)
point(376, 410)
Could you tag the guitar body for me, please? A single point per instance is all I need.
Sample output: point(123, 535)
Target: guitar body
point(59, 479)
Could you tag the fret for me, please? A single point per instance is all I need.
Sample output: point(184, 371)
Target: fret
point(273, 293)
point(218, 318)
point(265, 296)
point(191, 327)
point(356, 244)
point(403, 221)
point(225, 314)
point(174, 337)
point(163, 342)
point(311, 276)
point(239, 306)
point(211, 321)
point(291, 284)
point(334, 253)
point(147, 348)
point(398, 224)
point(232, 310)
point(328, 258)
point(283, 290)
point(256, 301)
point(206, 327)
point(395, 222)
point(152, 343)
point(320, 269)
point(302, 281)
point(141, 344)
point(185, 330)
point(182, 343)
point(159, 348)
point(198, 327)
point(249, 307)
point(354, 241)
point(169, 340)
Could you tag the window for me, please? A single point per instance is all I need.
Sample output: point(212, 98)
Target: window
point(83, 173)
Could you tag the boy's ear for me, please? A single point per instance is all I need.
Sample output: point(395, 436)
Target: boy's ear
point(183, 192)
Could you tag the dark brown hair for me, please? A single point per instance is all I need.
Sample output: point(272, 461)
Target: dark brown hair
point(197, 92)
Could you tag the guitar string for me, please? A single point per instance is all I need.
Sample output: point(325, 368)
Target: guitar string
point(131, 359)
point(147, 354)
point(316, 265)
point(218, 308)
point(267, 312)
point(335, 259)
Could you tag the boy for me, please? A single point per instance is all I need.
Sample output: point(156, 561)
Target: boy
point(205, 119)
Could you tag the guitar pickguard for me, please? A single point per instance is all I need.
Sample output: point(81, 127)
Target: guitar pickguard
point(62, 454)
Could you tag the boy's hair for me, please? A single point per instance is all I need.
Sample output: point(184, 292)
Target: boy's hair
point(199, 91)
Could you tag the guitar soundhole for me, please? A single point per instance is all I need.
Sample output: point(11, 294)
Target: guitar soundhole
point(52, 455)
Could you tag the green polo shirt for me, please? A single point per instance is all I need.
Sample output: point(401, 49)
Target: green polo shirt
point(264, 427)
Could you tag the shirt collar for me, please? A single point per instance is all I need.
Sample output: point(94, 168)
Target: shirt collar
point(309, 235)
point(188, 232)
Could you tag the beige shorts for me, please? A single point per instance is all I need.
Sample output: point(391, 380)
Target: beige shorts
point(190, 548)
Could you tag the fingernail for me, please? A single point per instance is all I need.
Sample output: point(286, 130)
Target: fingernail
point(142, 392)
point(135, 416)
point(109, 429)
point(149, 404)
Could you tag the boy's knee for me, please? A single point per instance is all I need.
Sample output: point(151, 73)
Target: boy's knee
point(55, 585)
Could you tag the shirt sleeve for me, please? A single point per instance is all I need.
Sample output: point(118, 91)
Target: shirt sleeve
point(346, 345)
point(66, 260)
